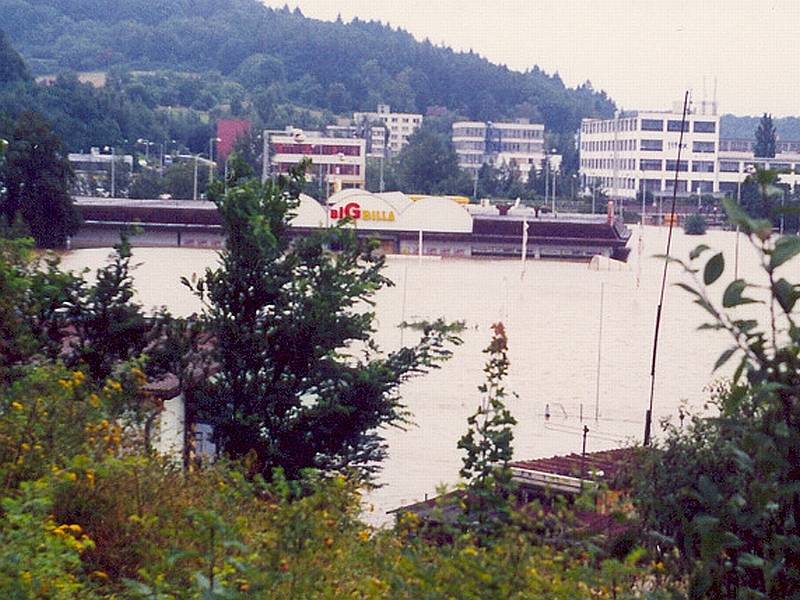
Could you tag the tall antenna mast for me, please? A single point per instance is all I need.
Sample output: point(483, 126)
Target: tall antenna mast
point(649, 417)
point(714, 102)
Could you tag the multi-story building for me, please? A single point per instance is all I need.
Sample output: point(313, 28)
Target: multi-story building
point(734, 166)
point(399, 126)
point(373, 134)
point(338, 162)
point(520, 144)
point(748, 145)
point(637, 151)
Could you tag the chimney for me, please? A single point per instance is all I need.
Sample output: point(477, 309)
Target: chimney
point(610, 212)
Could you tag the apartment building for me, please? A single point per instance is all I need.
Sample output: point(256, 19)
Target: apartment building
point(520, 143)
point(399, 126)
point(339, 162)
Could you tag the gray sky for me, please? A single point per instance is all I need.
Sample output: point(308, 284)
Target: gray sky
point(643, 54)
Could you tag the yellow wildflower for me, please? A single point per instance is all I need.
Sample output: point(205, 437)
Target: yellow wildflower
point(363, 535)
point(16, 406)
point(100, 575)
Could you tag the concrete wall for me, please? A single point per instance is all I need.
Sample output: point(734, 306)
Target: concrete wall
point(169, 438)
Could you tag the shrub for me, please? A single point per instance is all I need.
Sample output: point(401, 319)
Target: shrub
point(695, 225)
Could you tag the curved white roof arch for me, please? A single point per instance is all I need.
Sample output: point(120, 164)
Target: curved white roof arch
point(309, 213)
point(436, 214)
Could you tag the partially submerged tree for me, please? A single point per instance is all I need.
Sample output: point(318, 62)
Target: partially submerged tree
point(301, 383)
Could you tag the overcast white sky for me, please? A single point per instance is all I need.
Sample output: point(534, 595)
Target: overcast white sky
point(643, 54)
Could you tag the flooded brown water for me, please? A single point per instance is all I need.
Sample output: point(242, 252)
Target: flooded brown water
point(552, 316)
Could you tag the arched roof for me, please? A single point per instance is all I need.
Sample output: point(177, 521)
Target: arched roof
point(309, 213)
point(348, 194)
point(397, 199)
point(436, 214)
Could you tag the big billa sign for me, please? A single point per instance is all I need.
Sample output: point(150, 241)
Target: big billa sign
point(353, 210)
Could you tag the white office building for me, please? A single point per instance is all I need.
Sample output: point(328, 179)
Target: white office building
point(520, 143)
point(637, 151)
point(400, 126)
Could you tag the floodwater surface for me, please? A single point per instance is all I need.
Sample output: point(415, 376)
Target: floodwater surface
point(560, 362)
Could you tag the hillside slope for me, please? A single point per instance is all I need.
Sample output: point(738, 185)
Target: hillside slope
point(331, 66)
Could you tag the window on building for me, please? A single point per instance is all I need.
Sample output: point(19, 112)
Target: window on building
point(650, 165)
point(702, 166)
point(684, 166)
point(781, 166)
point(728, 166)
point(652, 125)
point(656, 145)
point(703, 146)
point(670, 183)
point(673, 125)
point(652, 185)
point(705, 126)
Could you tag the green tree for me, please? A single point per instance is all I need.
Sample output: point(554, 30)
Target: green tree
point(36, 175)
point(427, 164)
point(12, 67)
point(179, 180)
point(147, 183)
point(108, 327)
point(301, 383)
point(489, 184)
point(759, 193)
point(765, 138)
point(695, 224)
point(723, 494)
point(373, 175)
point(488, 445)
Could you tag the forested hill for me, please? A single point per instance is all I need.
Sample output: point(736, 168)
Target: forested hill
point(333, 66)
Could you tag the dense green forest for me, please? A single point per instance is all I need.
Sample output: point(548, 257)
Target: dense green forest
point(270, 57)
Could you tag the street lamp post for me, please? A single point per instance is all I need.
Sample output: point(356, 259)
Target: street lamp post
point(113, 170)
point(383, 156)
point(546, 177)
point(194, 193)
point(211, 142)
